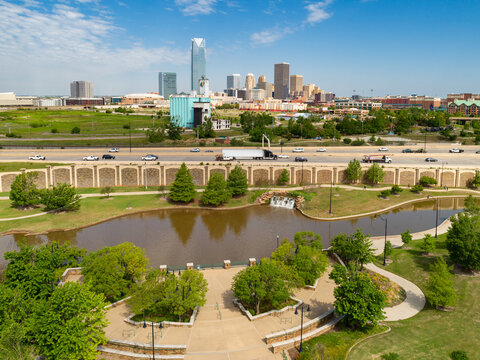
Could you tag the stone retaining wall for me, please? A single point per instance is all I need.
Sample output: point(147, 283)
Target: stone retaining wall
point(139, 348)
point(259, 173)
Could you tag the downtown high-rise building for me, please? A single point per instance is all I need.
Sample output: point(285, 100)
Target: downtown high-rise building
point(296, 85)
point(234, 81)
point(81, 89)
point(199, 62)
point(281, 80)
point(167, 84)
point(249, 81)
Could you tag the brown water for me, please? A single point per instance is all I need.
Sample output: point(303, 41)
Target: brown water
point(175, 237)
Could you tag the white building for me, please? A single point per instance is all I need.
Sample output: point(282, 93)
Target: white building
point(273, 105)
point(9, 99)
point(49, 102)
point(81, 89)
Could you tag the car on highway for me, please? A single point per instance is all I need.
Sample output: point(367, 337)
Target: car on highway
point(298, 150)
point(90, 158)
point(36, 157)
point(195, 150)
point(477, 152)
point(149, 157)
point(429, 159)
point(456, 150)
point(283, 156)
point(383, 148)
point(114, 149)
point(408, 151)
point(208, 150)
point(300, 159)
point(108, 157)
point(322, 149)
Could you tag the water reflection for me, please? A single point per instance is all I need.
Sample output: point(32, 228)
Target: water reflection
point(175, 237)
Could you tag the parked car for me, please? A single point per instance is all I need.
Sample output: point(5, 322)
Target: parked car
point(300, 159)
point(283, 156)
point(90, 158)
point(114, 149)
point(36, 157)
point(456, 150)
point(383, 148)
point(195, 150)
point(149, 157)
point(298, 150)
point(322, 149)
point(429, 159)
point(108, 157)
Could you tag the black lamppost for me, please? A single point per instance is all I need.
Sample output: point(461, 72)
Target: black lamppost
point(281, 146)
point(278, 238)
point(425, 143)
point(301, 324)
point(331, 190)
point(441, 174)
point(385, 245)
point(153, 334)
point(302, 172)
point(436, 221)
point(130, 134)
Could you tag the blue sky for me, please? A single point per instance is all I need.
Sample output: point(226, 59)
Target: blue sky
point(390, 46)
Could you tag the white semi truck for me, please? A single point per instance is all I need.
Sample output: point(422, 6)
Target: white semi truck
point(246, 154)
point(377, 159)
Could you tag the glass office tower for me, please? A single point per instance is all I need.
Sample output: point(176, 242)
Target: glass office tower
point(199, 62)
point(167, 84)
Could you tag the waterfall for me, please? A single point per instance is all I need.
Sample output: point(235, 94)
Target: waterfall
point(283, 202)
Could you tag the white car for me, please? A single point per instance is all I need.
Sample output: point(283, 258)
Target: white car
point(456, 150)
point(298, 150)
point(283, 156)
point(90, 158)
point(383, 149)
point(321, 150)
point(149, 157)
point(36, 157)
point(115, 149)
point(195, 150)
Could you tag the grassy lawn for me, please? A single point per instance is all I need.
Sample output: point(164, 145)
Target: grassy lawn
point(335, 344)
point(431, 334)
point(95, 209)
point(16, 166)
point(350, 202)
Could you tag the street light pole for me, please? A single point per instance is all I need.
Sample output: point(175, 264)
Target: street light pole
point(278, 238)
point(301, 325)
point(331, 190)
point(425, 144)
point(436, 221)
point(385, 245)
point(130, 134)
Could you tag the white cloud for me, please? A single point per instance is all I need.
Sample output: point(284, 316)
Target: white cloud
point(267, 37)
point(64, 41)
point(196, 7)
point(317, 12)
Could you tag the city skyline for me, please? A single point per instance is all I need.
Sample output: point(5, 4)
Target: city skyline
point(340, 45)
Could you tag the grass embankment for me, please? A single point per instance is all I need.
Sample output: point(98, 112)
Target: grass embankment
point(335, 344)
point(346, 202)
point(431, 334)
point(96, 209)
point(16, 166)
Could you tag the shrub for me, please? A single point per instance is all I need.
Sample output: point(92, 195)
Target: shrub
point(406, 237)
point(427, 181)
point(388, 248)
point(107, 190)
point(417, 189)
point(358, 142)
point(384, 193)
point(391, 356)
point(459, 355)
point(126, 126)
point(237, 142)
point(347, 141)
point(75, 130)
point(440, 292)
point(284, 177)
point(379, 142)
point(428, 245)
point(108, 111)
point(396, 189)
point(54, 131)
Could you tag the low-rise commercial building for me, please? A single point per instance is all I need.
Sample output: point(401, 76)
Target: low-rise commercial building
point(10, 99)
point(273, 105)
point(465, 107)
point(189, 111)
point(84, 101)
point(361, 105)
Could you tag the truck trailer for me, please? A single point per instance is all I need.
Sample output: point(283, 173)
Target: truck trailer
point(246, 154)
point(377, 159)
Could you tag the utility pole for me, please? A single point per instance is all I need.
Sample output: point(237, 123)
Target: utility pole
point(130, 134)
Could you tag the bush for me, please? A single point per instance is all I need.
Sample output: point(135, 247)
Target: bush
point(459, 355)
point(284, 177)
point(379, 142)
point(126, 126)
point(417, 189)
point(427, 245)
point(358, 142)
point(347, 141)
point(237, 142)
point(54, 131)
point(406, 237)
point(388, 248)
point(75, 130)
point(60, 197)
point(396, 189)
point(391, 356)
point(384, 193)
point(427, 181)
point(108, 111)
point(107, 190)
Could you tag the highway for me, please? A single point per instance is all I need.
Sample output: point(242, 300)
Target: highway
point(334, 155)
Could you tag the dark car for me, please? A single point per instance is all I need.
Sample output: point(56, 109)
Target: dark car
point(108, 157)
point(407, 151)
point(301, 159)
point(431, 159)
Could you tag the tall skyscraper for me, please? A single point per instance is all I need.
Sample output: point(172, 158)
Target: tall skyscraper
point(199, 62)
point(296, 85)
point(281, 78)
point(81, 89)
point(249, 81)
point(167, 84)
point(234, 81)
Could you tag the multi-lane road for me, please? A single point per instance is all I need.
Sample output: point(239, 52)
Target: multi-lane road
point(333, 155)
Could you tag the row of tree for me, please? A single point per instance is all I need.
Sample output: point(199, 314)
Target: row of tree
point(168, 129)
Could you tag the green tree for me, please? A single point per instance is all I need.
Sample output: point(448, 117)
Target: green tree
point(183, 188)
point(471, 206)
point(428, 244)
point(263, 286)
point(61, 197)
point(157, 134)
point(309, 263)
point(417, 188)
point(375, 174)
point(146, 295)
point(396, 189)
point(237, 181)
point(69, 325)
point(355, 249)
point(174, 130)
point(285, 253)
point(357, 297)
point(107, 190)
point(114, 270)
point(353, 172)
point(75, 130)
point(216, 192)
point(23, 191)
point(427, 181)
point(463, 241)
point(406, 236)
point(476, 179)
point(13, 344)
point(284, 177)
point(440, 292)
point(206, 130)
point(308, 238)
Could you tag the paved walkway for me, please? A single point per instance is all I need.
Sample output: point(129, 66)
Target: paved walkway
point(221, 331)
